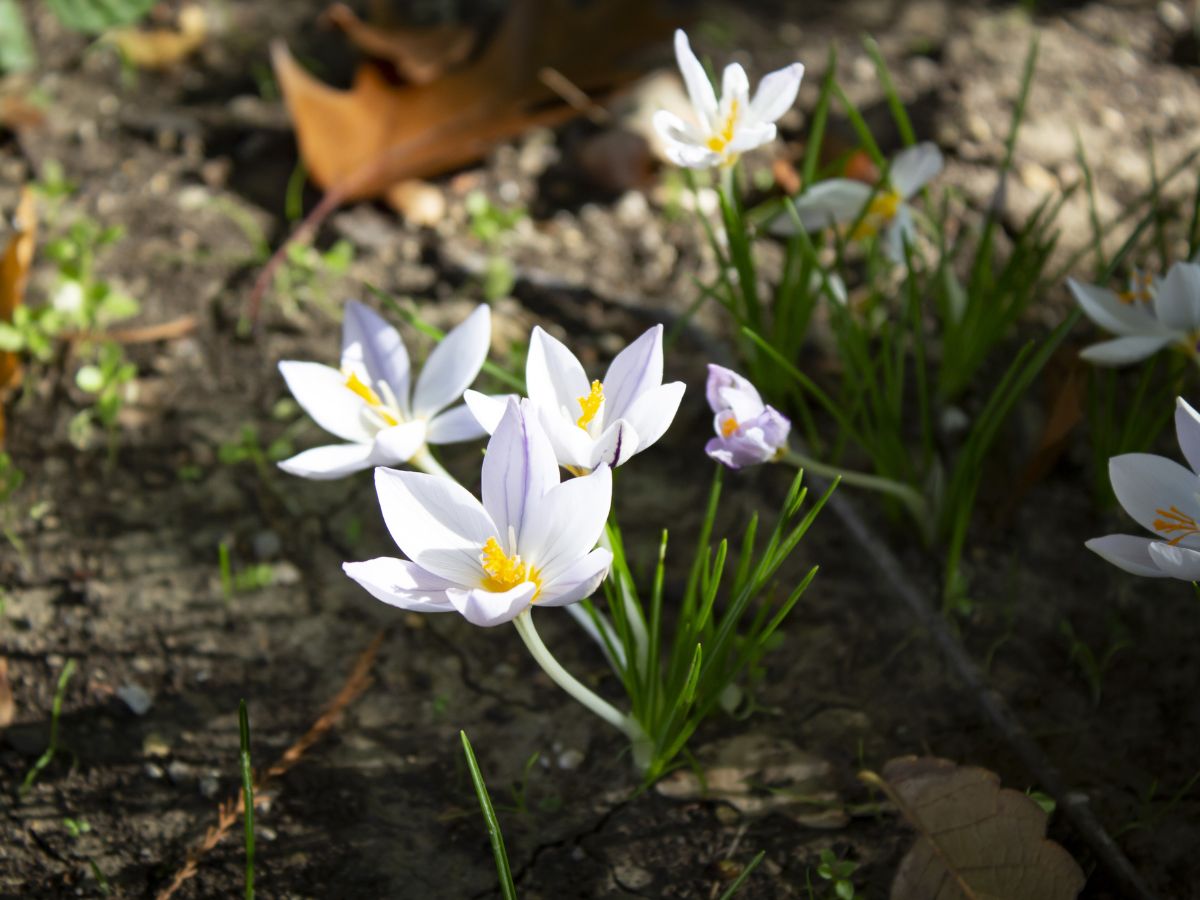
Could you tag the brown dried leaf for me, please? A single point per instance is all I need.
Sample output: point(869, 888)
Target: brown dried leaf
point(8, 709)
point(162, 48)
point(977, 840)
point(366, 139)
point(14, 274)
point(420, 55)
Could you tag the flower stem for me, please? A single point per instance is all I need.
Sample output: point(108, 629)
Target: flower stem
point(424, 461)
point(569, 683)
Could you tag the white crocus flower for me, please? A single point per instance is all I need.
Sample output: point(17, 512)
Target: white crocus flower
point(597, 422)
point(883, 210)
point(531, 541)
point(1164, 498)
point(1150, 315)
point(369, 403)
point(724, 129)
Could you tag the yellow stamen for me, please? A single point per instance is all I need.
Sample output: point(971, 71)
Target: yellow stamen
point(590, 404)
point(729, 426)
point(883, 208)
point(1173, 520)
point(1139, 289)
point(506, 572)
point(356, 384)
point(723, 138)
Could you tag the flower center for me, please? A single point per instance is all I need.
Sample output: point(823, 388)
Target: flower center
point(590, 405)
point(1175, 521)
point(505, 572)
point(729, 426)
point(1139, 289)
point(883, 208)
point(723, 138)
point(356, 384)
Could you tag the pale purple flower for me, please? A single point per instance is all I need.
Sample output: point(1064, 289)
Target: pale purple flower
point(369, 401)
point(748, 431)
point(1164, 498)
point(532, 541)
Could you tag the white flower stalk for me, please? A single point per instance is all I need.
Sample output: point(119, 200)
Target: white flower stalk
point(602, 422)
point(1150, 315)
point(1164, 498)
point(531, 541)
point(724, 129)
point(884, 211)
point(369, 403)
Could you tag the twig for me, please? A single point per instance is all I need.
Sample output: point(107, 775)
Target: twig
point(230, 810)
point(144, 334)
point(574, 96)
point(993, 705)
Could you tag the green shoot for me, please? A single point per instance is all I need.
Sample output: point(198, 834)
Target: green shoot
point(51, 750)
point(247, 794)
point(503, 871)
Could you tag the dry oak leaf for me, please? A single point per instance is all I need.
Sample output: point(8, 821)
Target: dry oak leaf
point(162, 48)
point(420, 55)
point(362, 141)
point(14, 274)
point(977, 840)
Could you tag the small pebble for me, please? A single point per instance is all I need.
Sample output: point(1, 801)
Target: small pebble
point(136, 698)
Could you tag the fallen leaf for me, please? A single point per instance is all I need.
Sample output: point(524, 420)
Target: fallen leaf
point(364, 140)
point(756, 775)
point(977, 840)
point(162, 48)
point(18, 114)
point(7, 707)
point(14, 274)
point(420, 55)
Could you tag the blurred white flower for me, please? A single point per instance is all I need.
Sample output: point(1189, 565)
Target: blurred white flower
point(367, 401)
point(883, 210)
point(1150, 315)
point(748, 431)
point(725, 129)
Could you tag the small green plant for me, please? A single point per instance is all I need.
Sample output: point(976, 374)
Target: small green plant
point(245, 581)
point(247, 447)
point(11, 479)
point(77, 828)
point(1093, 664)
point(52, 748)
point(839, 874)
point(308, 276)
point(490, 224)
point(503, 869)
point(247, 773)
point(108, 381)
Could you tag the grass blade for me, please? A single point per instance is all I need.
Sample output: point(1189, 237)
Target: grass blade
point(247, 795)
point(503, 871)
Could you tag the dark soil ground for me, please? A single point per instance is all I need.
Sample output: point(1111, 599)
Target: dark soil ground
point(119, 563)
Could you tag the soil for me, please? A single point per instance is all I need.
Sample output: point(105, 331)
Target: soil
point(118, 563)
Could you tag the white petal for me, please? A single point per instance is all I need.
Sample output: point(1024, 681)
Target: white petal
point(489, 608)
point(652, 413)
point(554, 378)
point(572, 445)
point(735, 86)
point(369, 343)
point(437, 523)
point(454, 425)
point(671, 128)
point(1127, 552)
point(322, 391)
point(453, 364)
point(635, 370)
point(579, 581)
point(914, 167)
point(1123, 351)
point(401, 583)
point(333, 461)
point(1177, 302)
point(398, 443)
point(691, 157)
point(726, 389)
point(568, 523)
point(615, 446)
point(902, 228)
point(834, 202)
point(751, 136)
point(1177, 562)
point(487, 410)
point(1147, 486)
point(1187, 430)
point(519, 467)
point(776, 93)
point(1105, 308)
point(699, 88)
